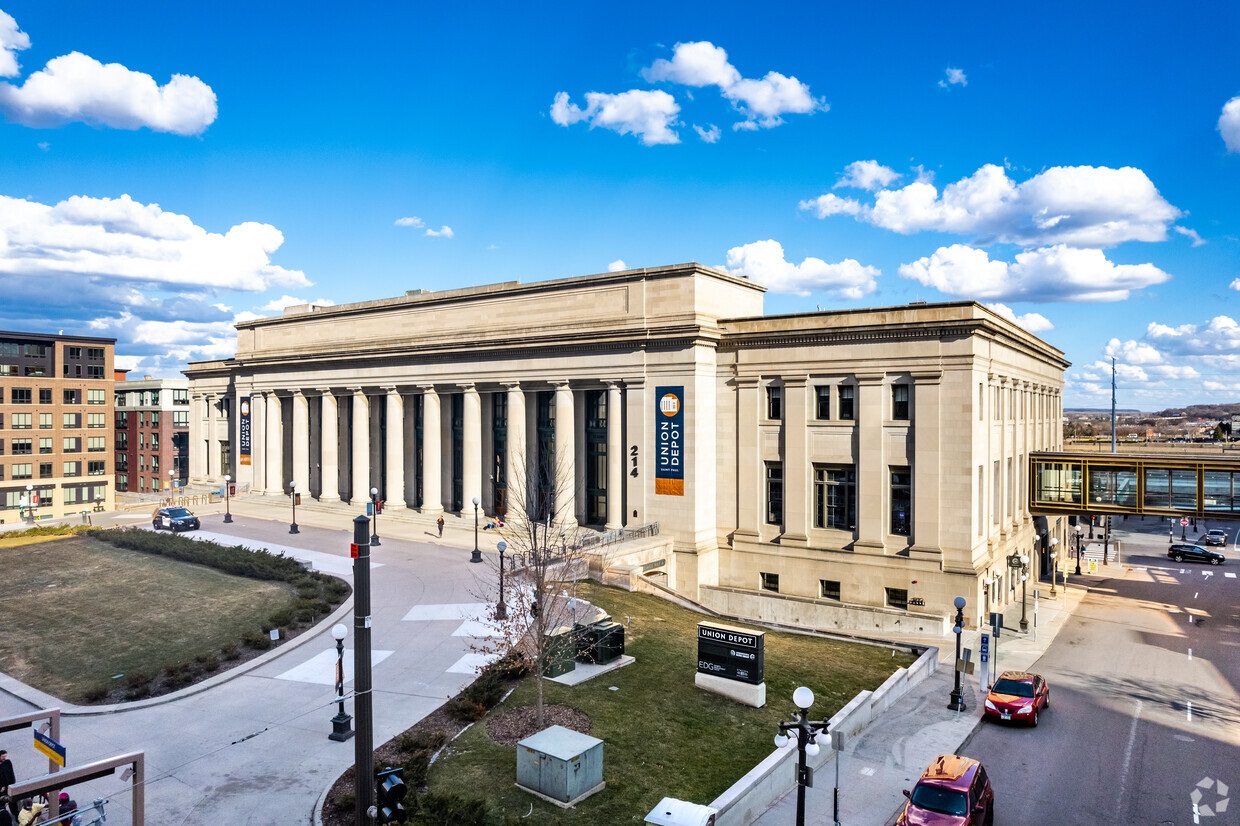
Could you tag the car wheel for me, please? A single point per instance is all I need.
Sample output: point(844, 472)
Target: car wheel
point(1034, 722)
point(1178, 557)
point(154, 526)
point(1216, 561)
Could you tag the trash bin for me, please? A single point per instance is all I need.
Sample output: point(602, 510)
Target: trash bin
point(559, 652)
point(673, 812)
point(609, 642)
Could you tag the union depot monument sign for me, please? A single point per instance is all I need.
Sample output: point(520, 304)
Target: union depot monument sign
point(730, 662)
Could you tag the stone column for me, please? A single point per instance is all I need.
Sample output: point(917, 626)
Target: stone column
point(432, 460)
point(565, 470)
point(750, 476)
point(275, 446)
point(258, 441)
point(360, 454)
point(198, 427)
point(516, 462)
point(928, 423)
point(615, 458)
point(394, 487)
point(208, 447)
point(797, 483)
point(301, 441)
point(329, 448)
point(471, 448)
point(873, 472)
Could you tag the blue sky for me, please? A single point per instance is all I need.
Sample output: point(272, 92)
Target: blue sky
point(166, 170)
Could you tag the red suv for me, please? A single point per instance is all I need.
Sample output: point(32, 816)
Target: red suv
point(953, 791)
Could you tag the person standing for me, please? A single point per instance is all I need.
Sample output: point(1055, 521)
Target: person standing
point(439, 522)
point(7, 776)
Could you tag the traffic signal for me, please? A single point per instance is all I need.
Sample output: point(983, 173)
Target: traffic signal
point(389, 792)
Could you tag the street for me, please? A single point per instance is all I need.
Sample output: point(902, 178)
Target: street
point(1144, 717)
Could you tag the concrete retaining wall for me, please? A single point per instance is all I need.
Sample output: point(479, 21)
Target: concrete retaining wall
point(819, 615)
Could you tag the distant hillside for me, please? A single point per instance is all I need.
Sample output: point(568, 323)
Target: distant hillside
point(1221, 412)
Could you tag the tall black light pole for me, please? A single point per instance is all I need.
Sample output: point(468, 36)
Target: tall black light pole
point(227, 495)
point(363, 702)
point(957, 696)
point(476, 556)
point(1054, 556)
point(501, 610)
point(1080, 533)
point(1019, 563)
point(292, 495)
point(374, 505)
point(341, 730)
point(810, 735)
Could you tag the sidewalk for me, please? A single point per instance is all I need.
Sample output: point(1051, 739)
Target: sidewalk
point(894, 750)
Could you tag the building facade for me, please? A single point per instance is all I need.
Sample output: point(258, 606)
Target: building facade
point(152, 435)
point(836, 469)
point(56, 440)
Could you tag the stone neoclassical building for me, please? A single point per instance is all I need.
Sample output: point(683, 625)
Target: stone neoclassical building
point(854, 469)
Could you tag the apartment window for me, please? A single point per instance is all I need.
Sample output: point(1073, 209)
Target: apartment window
point(73, 469)
point(901, 501)
point(96, 397)
point(20, 395)
point(180, 418)
point(71, 420)
point(38, 351)
point(75, 353)
point(94, 372)
point(96, 419)
point(22, 447)
point(154, 418)
point(829, 589)
point(122, 418)
point(45, 444)
point(45, 395)
point(847, 397)
point(122, 482)
point(94, 354)
point(120, 399)
point(8, 369)
point(71, 444)
point(95, 468)
point(73, 396)
point(96, 444)
point(823, 393)
point(21, 421)
point(45, 470)
point(154, 464)
point(141, 462)
point(154, 441)
point(1, 447)
point(34, 370)
point(899, 402)
point(835, 497)
point(180, 397)
point(769, 582)
point(897, 598)
point(775, 403)
point(25, 471)
point(774, 493)
point(45, 421)
point(141, 441)
point(155, 397)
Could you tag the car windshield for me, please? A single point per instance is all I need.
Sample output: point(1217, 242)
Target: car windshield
point(177, 513)
point(944, 801)
point(1014, 687)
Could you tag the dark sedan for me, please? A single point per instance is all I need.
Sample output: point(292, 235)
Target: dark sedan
point(175, 519)
point(1195, 553)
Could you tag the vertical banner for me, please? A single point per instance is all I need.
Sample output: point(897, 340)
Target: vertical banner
point(243, 434)
point(669, 436)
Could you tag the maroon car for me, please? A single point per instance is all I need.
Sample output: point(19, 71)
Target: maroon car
point(953, 791)
point(1017, 696)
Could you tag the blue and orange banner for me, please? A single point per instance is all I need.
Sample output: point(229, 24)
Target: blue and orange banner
point(669, 441)
point(243, 431)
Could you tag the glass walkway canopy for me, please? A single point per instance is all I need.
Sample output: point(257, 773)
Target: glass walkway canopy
point(1180, 485)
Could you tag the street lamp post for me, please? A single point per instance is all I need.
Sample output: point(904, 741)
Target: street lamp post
point(1020, 562)
point(227, 494)
point(957, 696)
point(341, 730)
point(292, 495)
point(172, 485)
point(30, 503)
point(477, 554)
point(374, 505)
point(501, 610)
point(1080, 533)
point(809, 736)
point(1054, 563)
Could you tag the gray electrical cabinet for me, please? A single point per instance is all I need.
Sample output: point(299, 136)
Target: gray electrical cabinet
point(560, 765)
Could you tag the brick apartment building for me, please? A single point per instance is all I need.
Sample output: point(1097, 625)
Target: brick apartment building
point(56, 438)
point(152, 434)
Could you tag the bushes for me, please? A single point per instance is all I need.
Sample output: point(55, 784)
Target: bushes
point(479, 696)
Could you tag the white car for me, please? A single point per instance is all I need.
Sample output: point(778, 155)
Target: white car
point(1216, 536)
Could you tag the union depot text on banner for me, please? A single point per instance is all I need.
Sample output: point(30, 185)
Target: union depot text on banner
point(244, 431)
point(669, 441)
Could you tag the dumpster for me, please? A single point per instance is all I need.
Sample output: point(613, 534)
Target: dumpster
point(559, 652)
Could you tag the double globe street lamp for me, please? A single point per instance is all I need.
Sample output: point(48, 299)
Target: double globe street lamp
point(1020, 562)
point(476, 556)
point(227, 494)
point(809, 736)
point(957, 696)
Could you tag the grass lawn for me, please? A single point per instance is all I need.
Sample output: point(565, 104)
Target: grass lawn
point(663, 736)
point(77, 612)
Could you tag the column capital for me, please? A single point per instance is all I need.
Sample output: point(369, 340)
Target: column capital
point(510, 385)
point(801, 380)
point(560, 384)
point(427, 389)
point(324, 391)
point(299, 392)
point(357, 391)
point(466, 386)
point(926, 376)
point(864, 379)
point(748, 382)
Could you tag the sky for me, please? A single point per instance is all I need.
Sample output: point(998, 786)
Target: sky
point(167, 170)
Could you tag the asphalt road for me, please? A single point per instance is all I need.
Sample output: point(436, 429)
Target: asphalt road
point(1144, 717)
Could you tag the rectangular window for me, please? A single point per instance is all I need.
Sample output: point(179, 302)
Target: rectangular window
point(899, 402)
point(180, 418)
point(835, 497)
point(122, 418)
point(23, 471)
point(180, 397)
point(38, 351)
point(829, 589)
point(96, 444)
point(45, 395)
point(73, 469)
point(122, 482)
point(21, 395)
point(154, 441)
point(901, 501)
point(154, 418)
point(897, 598)
point(775, 403)
point(21, 421)
point(141, 441)
point(34, 370)
point(45, 421)
point(22, 447)
point(45, 470)
point(73, 396)
point(94, 372)
point(96, 397)
point(75, 353)
point(96, 419)
point(45, 444)
point(847, 395)
point(71, 420)
point(94, 354)
point(769, 582)
point(823, 410)
point(154, 464)
point(120, 399)
point(774, 493)
point(155, 398)
point(71, 444)
point(95, 468)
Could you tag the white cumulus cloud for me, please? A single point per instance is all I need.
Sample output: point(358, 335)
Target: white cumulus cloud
point(954, 77)
point(410, 221)
point(1056, 273)
point(868, 175)
point(617, 266)
point(709, 134)
point(648, 114)
point(1218, 337)
point(1229, 124)
point(764, 262)
point(443, 232)
point(12, 41)
point(1033, 322)
point(78, 88)
point(830, 204)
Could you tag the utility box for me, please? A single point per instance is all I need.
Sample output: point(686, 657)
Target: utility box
point(673, 812)
point(608, 642)
point(560, 765)
point(560, 652)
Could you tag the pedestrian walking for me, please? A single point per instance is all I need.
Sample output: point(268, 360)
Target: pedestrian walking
point(7, 775)
point(439, 522)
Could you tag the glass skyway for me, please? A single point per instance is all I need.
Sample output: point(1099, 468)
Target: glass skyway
point(1183, 485)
